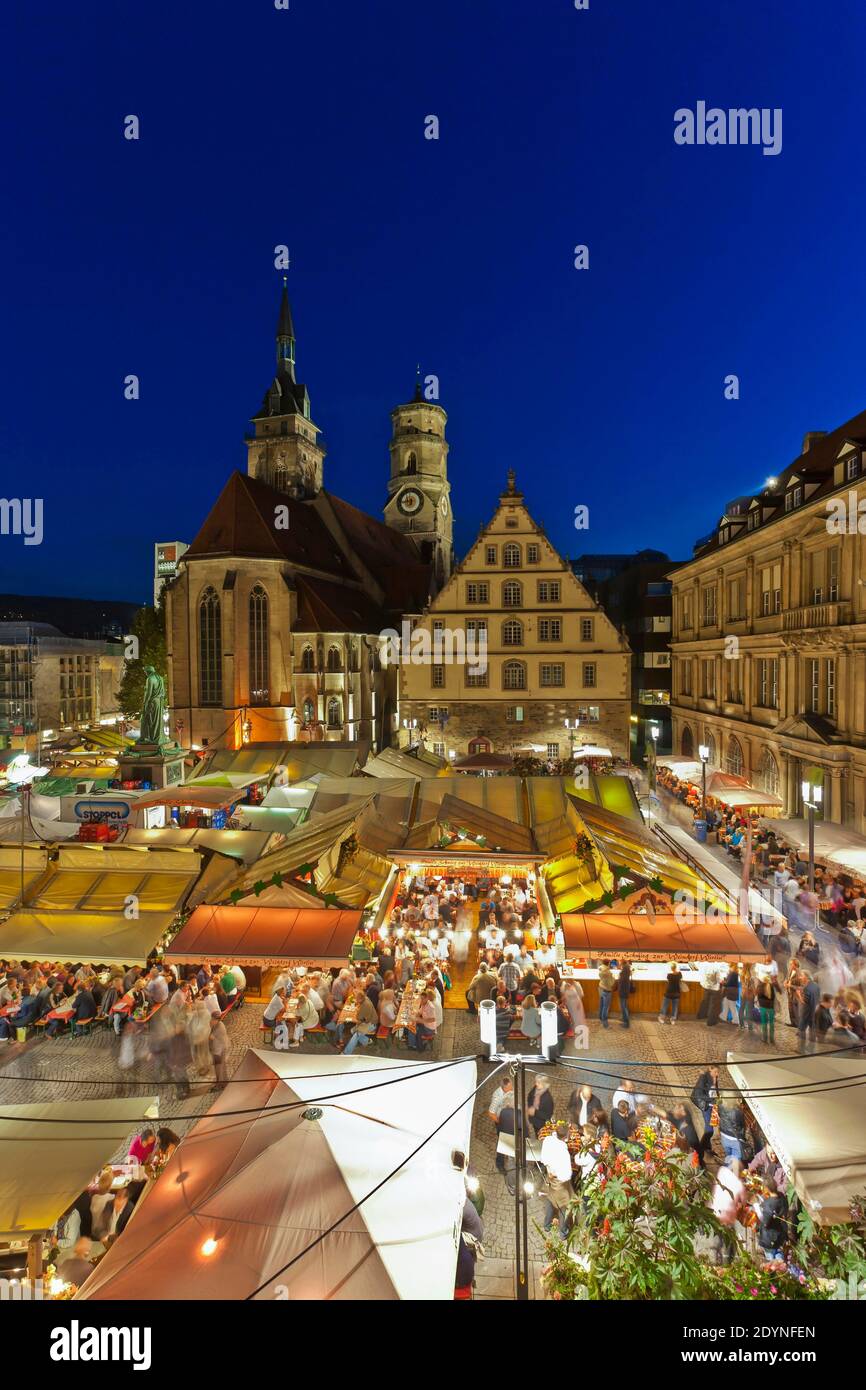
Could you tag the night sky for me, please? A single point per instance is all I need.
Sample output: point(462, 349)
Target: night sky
point(601, 387)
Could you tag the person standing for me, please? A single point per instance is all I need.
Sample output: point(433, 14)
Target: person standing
point(705, 1096)
point(219, 1046)
point(671, 1001)
point(605, 992)
point(623, 989)
point(730, 997)
point(766, 1000)
point(539, 1104)
point(557, 1193)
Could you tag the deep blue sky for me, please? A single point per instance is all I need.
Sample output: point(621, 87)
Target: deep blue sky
point(259, 127)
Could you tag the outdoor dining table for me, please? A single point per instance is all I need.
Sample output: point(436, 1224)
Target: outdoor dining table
point(349, 1012)
point(407, 1013)
point(64, 1012)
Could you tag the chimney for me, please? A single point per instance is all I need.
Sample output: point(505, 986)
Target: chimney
point(810, 438)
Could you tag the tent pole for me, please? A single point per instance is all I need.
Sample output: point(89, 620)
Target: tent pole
point(521, 1215)
point(34, 1259)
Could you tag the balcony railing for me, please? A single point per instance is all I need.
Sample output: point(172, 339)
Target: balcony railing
point(817, 615)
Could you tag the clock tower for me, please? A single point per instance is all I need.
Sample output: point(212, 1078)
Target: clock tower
point(419, 500)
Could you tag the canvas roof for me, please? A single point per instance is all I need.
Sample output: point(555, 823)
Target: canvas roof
point(49, 1152)
point(318, 935)
point(637, 936)
point(819, 1135)
point(266, 1187)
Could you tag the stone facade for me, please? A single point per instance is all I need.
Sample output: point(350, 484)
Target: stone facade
point(769, 640)
point(551, 653)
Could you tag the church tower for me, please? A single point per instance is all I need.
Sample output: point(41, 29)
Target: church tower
point(419, 501)
point(284, 451)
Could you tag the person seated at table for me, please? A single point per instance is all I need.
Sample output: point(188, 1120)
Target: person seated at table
point(387, 1008)
point(83, 1010)
point(26, 1013)
point(275, 1008)
point(530, 1023)
point(600, 1122)
point(425, 1023)
point(581, 1104)
point(142, 1147)
point(76, 1266)
point(166, 1143)
point(307, 1015)
point(622, 1122)
point(493, 938)
point(504, 1020)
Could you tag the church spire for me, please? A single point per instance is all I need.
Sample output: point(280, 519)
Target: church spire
point(419, 394)
point(286, 335)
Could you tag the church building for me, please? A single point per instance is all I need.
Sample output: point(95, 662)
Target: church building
point(275, 617)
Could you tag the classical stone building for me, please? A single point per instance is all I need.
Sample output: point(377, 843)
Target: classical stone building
point(49, 682)
point(769, 640)
point(551, 653)
point(275, 616)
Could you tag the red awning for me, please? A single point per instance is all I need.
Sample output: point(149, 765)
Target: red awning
point(635, 936)
point(304, 935)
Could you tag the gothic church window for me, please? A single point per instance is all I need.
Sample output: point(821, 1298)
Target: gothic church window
point(259, 653)
point(210, 648)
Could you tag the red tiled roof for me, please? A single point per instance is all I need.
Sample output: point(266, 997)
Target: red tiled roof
point(327, 607)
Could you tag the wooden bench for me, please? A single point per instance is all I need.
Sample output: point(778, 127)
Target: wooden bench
point(227, 1010)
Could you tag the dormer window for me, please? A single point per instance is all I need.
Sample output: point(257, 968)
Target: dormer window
point(724, 535)
point(794, 497)
point(852, 467)
point(754, 519)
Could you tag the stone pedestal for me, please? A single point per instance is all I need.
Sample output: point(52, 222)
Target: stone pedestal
point(161, 764)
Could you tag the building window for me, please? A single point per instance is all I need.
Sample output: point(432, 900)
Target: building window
point(793, 497)
point(589, 674)
point(335, 660)
point(553, 673)
point(771, 589)
point(735, 685)
point(685, 677)
point(768, 773)
point(512, 633)
point(259, 647)
point(833, 575)
point(477, 593)
point(549, 591)
point(550, 629)
point(830, 704)
point(687, 743)
point(587, 629)
point(712, 760)
point(411, 464)
point(437, 714)
point(477, 680)
point(512, 594)
point(511, 522)
point(708, 601)
point(437, 676)
point(514, 675)
point(514, 714)
point(490, 555)
point(335, 713)
point(439, 750)
point(210, 648)
point(736, 599)
point(533, 554)
point(753, 520)
point(734, 762)
point(308, 712)
point(308, 660)
point(686, 620)
point(511, 556)
point(813, 683)
point(768, 682)
point(708, 683)
point(553, 751)
point(852, 467)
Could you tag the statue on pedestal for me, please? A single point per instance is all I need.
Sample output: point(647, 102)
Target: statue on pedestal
point(153, 708)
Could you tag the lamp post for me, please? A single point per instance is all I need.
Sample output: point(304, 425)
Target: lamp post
point(813, 795)
point(703, 754)
point(654, 735)
point(572, 725)
point(523, 1186)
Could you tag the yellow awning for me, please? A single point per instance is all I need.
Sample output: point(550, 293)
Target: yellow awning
point(86, 936)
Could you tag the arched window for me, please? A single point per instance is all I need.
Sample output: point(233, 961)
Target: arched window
point(308, 660)
point(259, 647)
point(335, 660)
point(713, 759)
point(511, 556)
point(309, 711)
point(210, 649)
point(768, 773)
point(411, 464)
point(335, 713)
point(514, 676)
point(281, 477)
point(512, 594)
point(734, 762)
point(512, 633)
point(687, 743)
point(479, 745)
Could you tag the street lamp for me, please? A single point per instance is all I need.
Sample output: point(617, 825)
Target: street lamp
point(813, 795)
point(651, 780)
point(572, 725)
point(704, 755)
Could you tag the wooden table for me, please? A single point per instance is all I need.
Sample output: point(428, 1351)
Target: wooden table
point(407, 1013)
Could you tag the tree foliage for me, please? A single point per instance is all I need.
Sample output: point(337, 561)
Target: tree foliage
point(148, 627)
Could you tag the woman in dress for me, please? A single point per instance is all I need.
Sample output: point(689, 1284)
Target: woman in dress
point(572, 998)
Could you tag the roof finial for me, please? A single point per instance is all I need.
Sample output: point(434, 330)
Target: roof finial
point(511, 480)
point(418, 392)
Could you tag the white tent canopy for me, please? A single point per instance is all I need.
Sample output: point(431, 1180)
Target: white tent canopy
point(818, 1134)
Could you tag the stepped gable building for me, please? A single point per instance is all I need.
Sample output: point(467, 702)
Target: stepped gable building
point(274, 618)
point(551, 653)
point(769, 638)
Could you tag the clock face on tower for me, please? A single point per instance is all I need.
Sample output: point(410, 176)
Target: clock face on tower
point(443, 505)
point(410, 501)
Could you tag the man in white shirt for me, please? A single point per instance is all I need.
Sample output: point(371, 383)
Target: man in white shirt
point(558, 1193)
point(494, 938)
point(156, 988)
point(502, 1096)
point(626, 1093)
